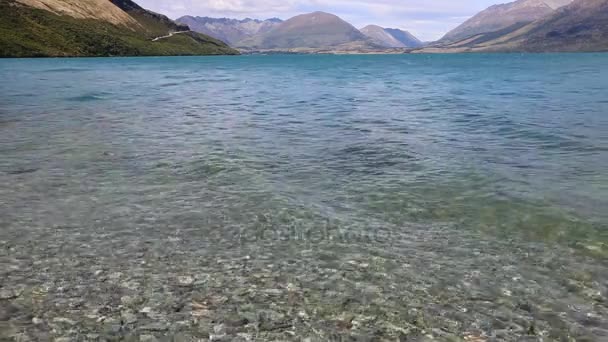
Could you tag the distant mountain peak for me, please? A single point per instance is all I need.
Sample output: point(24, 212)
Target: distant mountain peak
point(372, 27)
point(321, 13)
point(316, 16)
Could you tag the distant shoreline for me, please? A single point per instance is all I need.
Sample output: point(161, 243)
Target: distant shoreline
point(341, 53)
point(426, 50)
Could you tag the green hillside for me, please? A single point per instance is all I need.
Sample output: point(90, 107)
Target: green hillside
point(29, 32)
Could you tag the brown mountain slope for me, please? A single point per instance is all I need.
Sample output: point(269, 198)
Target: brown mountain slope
point(502, 16)
point(580, 26)
point(85, 9)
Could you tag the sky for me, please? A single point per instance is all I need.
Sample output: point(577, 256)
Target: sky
point(427, 19)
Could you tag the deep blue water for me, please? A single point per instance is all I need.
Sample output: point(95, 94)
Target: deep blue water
point(488, 148)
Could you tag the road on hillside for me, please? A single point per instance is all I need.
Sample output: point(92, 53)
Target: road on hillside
point(168, 36)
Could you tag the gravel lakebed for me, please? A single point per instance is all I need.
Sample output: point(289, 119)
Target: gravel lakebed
point(425, 283)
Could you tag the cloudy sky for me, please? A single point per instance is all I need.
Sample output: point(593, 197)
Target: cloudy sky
point(427, 19)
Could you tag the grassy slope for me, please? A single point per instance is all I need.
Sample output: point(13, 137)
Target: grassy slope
point(28, 32)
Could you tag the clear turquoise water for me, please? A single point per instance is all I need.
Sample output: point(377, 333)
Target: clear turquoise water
point(442, 160)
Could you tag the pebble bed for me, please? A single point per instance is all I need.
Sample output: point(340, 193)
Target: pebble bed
point(146, 284)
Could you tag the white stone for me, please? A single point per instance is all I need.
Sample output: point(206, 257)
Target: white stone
point(185, 280)
point(146, 310)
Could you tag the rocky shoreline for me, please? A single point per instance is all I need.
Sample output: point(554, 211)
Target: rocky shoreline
point(72, 284)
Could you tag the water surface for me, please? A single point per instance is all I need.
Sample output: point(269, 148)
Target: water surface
point(333, 196)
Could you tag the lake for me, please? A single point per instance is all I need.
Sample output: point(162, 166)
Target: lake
point(292, 197)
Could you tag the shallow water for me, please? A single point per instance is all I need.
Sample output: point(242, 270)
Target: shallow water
point(321, 197)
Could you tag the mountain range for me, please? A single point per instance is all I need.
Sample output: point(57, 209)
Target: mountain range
point(231, 31)
point(522, 25)
point(318, 30)
point(123, 28)
point(312, 32)
point(52, 28)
